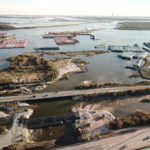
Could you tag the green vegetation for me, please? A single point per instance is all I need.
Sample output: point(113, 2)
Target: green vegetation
point(116, 95)
point(134, 26)
point(29, 72)
point(92, 85)
point(25, 69)
point(77, 53)
point(138, 118)
point(5, 26)
point(145, 101)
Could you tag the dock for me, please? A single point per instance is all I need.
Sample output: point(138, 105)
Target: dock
point(146, 46)
point(120, 49)
point(146, 49)
point(64, 94)
point(7, 44)
point(70, 33)
point(132, 55)
point(65, 40)
point(56, 35)
point(126, 55)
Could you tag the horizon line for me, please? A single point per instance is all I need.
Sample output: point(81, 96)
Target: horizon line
point(69, 15)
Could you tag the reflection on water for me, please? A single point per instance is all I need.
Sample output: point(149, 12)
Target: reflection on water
point(63, 134)
point(129, 107)
point(101, 68)
point(53, 108)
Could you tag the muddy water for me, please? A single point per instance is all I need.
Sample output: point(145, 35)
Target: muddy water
point(101, 68)
point(127, 107)
point(65, 134)
point(53, 108)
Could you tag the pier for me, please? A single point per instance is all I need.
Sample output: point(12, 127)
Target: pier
point(119, 49)
point(13, 44)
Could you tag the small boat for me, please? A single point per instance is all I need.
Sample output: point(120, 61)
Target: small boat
point(100, 46)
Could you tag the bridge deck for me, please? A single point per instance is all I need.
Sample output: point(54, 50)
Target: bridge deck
point(71, 93)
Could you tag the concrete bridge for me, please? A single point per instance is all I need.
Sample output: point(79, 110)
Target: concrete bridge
point(71, 93)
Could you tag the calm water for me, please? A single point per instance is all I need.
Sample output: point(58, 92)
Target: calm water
point(65, 134)
point(101, 68)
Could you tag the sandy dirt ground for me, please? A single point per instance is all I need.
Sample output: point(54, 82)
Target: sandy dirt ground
point(135, 140)
point(17, 132)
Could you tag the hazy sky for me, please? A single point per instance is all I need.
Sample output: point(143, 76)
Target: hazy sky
point(76, 7)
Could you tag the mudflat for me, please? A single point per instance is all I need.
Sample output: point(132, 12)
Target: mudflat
point(134, 26)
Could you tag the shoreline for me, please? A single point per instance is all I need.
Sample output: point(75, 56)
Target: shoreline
point(28, 81)
point(133, 26)
point(9, 136)
point(76, 53)
point(7, 26)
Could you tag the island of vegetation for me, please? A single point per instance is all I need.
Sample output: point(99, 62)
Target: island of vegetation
point(134, 26)
point(88, 84)
point(29, 72)
point(6, 26)
point(76, 53)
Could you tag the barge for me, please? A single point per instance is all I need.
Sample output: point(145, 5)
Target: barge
point(65, 40)
point(47, 48)
point(8, 44)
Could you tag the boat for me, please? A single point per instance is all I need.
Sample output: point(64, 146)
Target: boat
point(100, 46)
point(47, 48)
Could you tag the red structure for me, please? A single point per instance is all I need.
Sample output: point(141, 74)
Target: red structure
point(13, 44)
point(65, 40)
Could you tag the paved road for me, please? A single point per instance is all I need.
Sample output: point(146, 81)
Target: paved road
point(131, 141)
point(70, 93)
